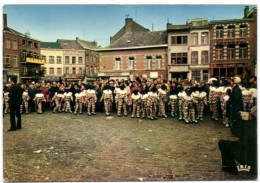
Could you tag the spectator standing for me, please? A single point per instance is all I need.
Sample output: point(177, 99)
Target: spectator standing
point(15, 101)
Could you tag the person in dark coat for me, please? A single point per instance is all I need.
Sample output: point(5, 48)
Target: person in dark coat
point(244, 151)
point(235, 103)
point(15, 95)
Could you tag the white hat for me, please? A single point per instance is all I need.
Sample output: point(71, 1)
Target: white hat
point(237, 80)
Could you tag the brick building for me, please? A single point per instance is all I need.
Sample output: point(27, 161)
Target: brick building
point(234, 45)
point(11, 62)
point(91, 57)
point(52, 54)
point(188, 50)
point(74, 60)
point(134, 51)
point(21, 55)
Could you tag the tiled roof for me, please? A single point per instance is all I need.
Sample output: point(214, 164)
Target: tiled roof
point(69, 44)
point(88, 44)
point(52, 45)
point(12, 31)
point(232, 20)
point(140, 39)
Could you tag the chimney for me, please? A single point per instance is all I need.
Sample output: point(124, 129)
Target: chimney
point(128, 25)
point(77, 39)
point(246, 10)
point(5, 20)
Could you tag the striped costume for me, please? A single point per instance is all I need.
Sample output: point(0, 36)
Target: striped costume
point(136, 101)
point(107, 96)
point(26, 98)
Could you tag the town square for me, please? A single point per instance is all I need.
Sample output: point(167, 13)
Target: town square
point(148, 95)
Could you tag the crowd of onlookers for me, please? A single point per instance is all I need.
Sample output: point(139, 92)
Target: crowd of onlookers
point(187, 99)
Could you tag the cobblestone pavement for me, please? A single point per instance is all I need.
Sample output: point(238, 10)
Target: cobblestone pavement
point(68, 147)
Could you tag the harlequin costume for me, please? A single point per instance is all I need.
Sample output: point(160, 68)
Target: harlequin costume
point(26, 98)
point(39, 98)
point(107, 96)
point(78, 102)
point(162, 98)
point(188, 107)
point(136, 101)
point(91, 98)
point(121, 100)
point(6, 101)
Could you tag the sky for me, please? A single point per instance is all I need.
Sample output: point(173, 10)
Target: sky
point(48, 23)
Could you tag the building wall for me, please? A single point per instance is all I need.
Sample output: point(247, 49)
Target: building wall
point(10, 69)
point(92, 62)
point(77, 65)
point(108, 62)
point(237, 64)
point(203, 69)
point(55, 53)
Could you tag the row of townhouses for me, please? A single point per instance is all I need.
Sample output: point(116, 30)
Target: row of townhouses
point(198, 49)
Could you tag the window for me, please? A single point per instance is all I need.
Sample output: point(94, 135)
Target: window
point(7, 43)
point(73, 70)
point(35, 45)
point(14, 45)
point(51, 71)
point(196, 75)
point(87, 58)
point(219, 32)
point(80, 60)
point(204, 38)
point(179, 40)
point(219, 52)
point(194, 58)
point(80, 70)
point(204, 57)
point(179, 58)
point(118, 64)
point(73, 60)
point(67, 70)
point(91, 58)
point(87, 69)
point(58, 59)
point(194, 39)
point(131, 63)
point(95, 60)
point(205, 75)
point(149, 62)
point(15, 64)
point(231, 31)
point(44, 58)
point(243, 50)
point(24, 55)
point(158, 62)
point(51, 59)
point(67, 60)
point(30, 44)
point(24, 42)
point(7, 59)
point(91, 70)
point(59, 71)
point(231, 51)
point(243, 31)
point(25, 70)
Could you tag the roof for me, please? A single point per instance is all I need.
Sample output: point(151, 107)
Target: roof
point(69, 44)
point(88, 44)
point(140, 39)
point(12, 31)
point(52, 45)
point(232, 21)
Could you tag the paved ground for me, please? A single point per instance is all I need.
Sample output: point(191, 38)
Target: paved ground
point(65, 147)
